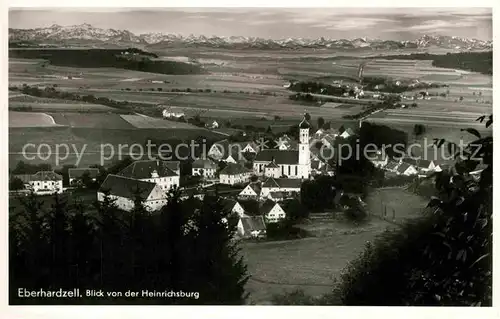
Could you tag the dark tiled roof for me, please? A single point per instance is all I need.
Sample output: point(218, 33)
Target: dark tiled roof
point(253, 223)
point(250, 206)
point(391, 165)
point(144, 169)
point(266, 207)
point(233, 169)
point(289, 157)
point(40, 176)
point(78, 172)
point(277, 194)
point(126, 187)
point(204, 163)
point(403, 167)
point(421, 163)
point(272, 165)
point(282, 183)
point(228, 204)
point(304, 123)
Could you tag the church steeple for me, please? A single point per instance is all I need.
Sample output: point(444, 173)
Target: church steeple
point(304, 124)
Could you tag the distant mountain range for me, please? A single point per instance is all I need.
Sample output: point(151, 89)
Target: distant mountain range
point(86, 34)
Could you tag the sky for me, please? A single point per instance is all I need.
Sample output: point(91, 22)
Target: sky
point(274, 23)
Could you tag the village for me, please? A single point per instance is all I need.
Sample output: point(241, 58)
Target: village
point(247, 171)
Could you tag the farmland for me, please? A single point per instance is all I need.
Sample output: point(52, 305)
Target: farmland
point(30, 119)
point(245, 88)
point(311, 264)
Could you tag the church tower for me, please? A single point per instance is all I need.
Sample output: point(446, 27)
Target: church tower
point(304, 151)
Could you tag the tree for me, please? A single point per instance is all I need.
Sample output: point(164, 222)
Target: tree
point(307, 116)
point(321, 122)
point(15, 184)
point(418, 129)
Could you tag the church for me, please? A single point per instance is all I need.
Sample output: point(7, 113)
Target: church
point(277, 163)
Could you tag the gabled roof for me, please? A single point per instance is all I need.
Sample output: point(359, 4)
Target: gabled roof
point(282, 183)
point(421, 163)
point(256, 187)
point(40, 176)
point(145, 169)
point(266, 206)
point(228, 204)
point(304, 123)
point(79, 172)
point(253, 223)
point(234, 169)
point(391, 165)
point(403, 167)
point(204, 163)
point(288, 157)
point(126, 187)
point(272, 165)
point(250, 206)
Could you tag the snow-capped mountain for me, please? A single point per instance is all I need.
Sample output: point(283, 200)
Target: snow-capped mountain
point(85, 33)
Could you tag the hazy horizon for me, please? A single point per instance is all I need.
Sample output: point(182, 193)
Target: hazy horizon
point(275, 23)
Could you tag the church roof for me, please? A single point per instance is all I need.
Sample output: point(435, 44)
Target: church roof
point(304, 123)
point(288, 157)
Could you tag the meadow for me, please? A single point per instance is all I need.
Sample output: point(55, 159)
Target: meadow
point(312, 263)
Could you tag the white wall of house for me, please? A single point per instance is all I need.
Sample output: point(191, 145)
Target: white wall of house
point(166, 183)
point(274, 172)
point(215, 152)
point(249, 148)
point(410, 171)
point(275, 214)
point(230, 159)
point(234, 179)
point(46, 187)
point(154, 201)
point(237, 209)
point(248, 191)
point(266, 190)
point(207, 172)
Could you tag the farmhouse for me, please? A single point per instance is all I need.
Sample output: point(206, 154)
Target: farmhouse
point(234, 174)
point(272, 211)
point(251, 191)
point(285, 185)
point(231, 206)
point(231, 152)
point(76, 175)
point(43, 182)
point(291, 163)
point(406, 169)
point(204, 167)
point(124, 191)
point(251, 226)
point(422, 164)
point(163, 173)
point(379, 159)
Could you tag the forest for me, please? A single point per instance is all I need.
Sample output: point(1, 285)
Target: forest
point(130, 59)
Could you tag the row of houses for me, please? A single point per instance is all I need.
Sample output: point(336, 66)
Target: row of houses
point(49, 182)
point(405, 166)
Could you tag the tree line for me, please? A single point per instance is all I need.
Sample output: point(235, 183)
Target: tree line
point(186, 246)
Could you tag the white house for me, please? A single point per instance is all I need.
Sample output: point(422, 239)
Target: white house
point(251, 227)
point(124, 191)
point(234, 174)
point(378, 159)
point(229, 152)
point(204, 167)
point(272, 211)
point(285, 185)
point(76, 174)
point(291, 163)
point(422, 164)
point(272, 170)
point(406, 169)
point(169, 114)
point(213, 125)
point(43, 182)
point(231, 206)
point(164, 173)
point(251, 191)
